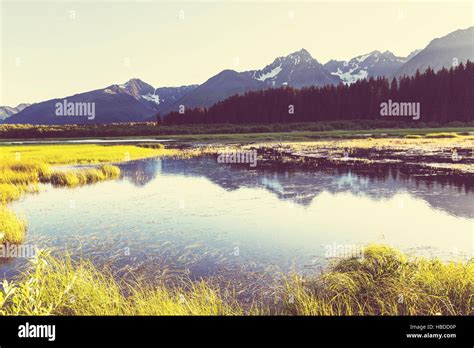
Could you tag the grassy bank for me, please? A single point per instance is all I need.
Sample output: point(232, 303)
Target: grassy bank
point(383, 282)
point(249, 132)
point(22, 168)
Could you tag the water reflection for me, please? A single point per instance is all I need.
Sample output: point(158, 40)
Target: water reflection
point(196, 216)
point(453, 195)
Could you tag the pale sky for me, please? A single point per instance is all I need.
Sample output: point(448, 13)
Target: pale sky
point(53, 49)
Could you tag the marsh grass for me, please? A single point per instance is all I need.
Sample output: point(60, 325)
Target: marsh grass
point(442, 135)
point(59, 286)
point(12, 228)
point(77, 154)
point(85, 176)
point(384, 282)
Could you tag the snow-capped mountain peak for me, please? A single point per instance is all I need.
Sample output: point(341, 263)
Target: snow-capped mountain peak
point(137, 88)
point(368, 65)
point(298, 69)
point(301, 56)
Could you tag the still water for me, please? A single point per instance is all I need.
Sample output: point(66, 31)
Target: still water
point(169, 216)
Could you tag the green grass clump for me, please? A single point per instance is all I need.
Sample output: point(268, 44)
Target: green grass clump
point(12, 228)
point(58, 286)
point(442, 135)
point(385, 282)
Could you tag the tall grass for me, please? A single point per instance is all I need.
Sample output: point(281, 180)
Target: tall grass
point(61, 287)
point(385, 282)
point(12, 228)
point(85, 176)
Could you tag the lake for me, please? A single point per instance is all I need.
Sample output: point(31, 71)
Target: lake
point(169, 217)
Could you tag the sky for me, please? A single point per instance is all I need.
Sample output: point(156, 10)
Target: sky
point(52, 49)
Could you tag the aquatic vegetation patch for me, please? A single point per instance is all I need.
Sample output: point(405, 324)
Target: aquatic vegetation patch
point(84, 176)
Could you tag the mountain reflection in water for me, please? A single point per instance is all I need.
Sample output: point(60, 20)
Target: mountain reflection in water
point(168, 217)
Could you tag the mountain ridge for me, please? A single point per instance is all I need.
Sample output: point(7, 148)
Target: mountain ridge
point(138, 101)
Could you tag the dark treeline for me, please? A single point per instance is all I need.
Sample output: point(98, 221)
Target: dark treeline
point(445, 95)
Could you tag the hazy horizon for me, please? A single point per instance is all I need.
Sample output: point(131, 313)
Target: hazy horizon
point(52, 50)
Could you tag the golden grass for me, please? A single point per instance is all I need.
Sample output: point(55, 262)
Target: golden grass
point(460, 141)
point(12, 228)
point(442, 135)
point(385, 282)
point(85, 176)
point(78, 154)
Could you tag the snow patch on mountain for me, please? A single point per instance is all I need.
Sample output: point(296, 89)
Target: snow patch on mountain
point(152, 97)
point(270, 74)
point(350, 76)
point(368, 65)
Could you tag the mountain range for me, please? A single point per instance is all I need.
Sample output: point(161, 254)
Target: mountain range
point(137, 101)
point(7, 111)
